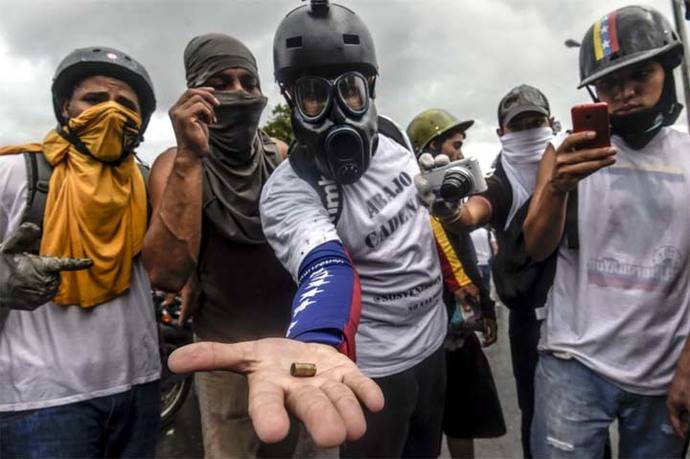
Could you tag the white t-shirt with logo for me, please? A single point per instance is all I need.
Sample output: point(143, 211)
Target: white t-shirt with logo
point(389, 238)
point(56, 355)
point(621, 303)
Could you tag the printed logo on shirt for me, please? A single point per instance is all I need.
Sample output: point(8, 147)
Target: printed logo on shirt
point(415, 293)
point(383, 232)
point(661, 171)
point(332, 196)
point(610, 272)
point(380, 200)
point(411, 292)
point(426, 302)
point(639, 195)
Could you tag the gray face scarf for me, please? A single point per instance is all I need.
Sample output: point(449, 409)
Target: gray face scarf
point(242, 157)
point(232, 136)
point(209, 54)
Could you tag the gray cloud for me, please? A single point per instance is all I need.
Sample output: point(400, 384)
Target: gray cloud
point(462, 55)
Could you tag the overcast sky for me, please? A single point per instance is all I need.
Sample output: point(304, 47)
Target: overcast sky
point(461, 55)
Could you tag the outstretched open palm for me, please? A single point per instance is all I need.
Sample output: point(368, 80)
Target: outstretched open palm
point(327, 403)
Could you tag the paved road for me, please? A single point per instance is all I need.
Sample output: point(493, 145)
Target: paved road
point(183, 439)
point(507, 446)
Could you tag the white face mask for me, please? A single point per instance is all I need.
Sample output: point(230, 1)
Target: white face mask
point(520, 158)
point(525, 146)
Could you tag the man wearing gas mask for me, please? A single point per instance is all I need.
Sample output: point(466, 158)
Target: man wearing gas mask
point(618, 310)
point(343, 218)
point(79, 362)
point(325, 62)
point(206, 227)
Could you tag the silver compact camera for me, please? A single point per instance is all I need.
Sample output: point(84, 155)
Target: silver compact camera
point(456, 180)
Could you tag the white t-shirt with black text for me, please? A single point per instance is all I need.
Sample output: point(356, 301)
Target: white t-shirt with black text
point(389, 238)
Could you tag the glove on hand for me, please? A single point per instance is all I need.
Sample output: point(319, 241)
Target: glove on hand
point(438, 207)
point(27, 281)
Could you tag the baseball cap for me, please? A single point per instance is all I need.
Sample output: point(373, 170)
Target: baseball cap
point(521, 99)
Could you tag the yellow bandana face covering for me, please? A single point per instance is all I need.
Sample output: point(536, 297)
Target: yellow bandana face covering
point(107, 132)
point(94, 209)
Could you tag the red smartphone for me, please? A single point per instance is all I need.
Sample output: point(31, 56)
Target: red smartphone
point(592, 117)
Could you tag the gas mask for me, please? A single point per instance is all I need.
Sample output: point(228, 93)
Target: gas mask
point(337, 122)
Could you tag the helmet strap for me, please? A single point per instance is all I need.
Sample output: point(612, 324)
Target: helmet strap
point(286, 95)
point(372, 86)
point(591, 94)
point(71, 137)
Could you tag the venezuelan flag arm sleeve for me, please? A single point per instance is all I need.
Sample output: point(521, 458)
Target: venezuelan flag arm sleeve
point(454, 276)
point(327, 305)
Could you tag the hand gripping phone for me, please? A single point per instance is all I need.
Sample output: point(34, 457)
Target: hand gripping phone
point(592, 117)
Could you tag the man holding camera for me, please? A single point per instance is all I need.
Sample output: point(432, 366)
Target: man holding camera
point(343, 217)
point(436, 132)
point(618, 311)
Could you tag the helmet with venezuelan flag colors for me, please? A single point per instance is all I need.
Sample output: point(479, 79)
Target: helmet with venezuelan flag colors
point(625, 37)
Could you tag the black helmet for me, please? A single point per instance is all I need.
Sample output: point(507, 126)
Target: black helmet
point(85, 62)
point(322, 37)
point(625, 37)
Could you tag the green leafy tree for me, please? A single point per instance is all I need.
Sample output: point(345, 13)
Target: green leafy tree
point(279, 125)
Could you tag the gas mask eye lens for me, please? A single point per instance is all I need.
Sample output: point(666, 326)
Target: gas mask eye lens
point(352, 91)
point(312, 96)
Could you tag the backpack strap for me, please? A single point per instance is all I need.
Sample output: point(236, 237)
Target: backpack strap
point(488, 241)
point(38, 171)
point(330, 192)
point(572, 227)
point(209, 201)
point(391, 130)
point(145, 170)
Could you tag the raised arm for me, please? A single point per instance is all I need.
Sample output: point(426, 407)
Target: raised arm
point(172, 242)
point(559, 173)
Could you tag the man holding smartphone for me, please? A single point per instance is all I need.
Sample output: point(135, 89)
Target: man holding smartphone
point(618, 311)
point(525, 128)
